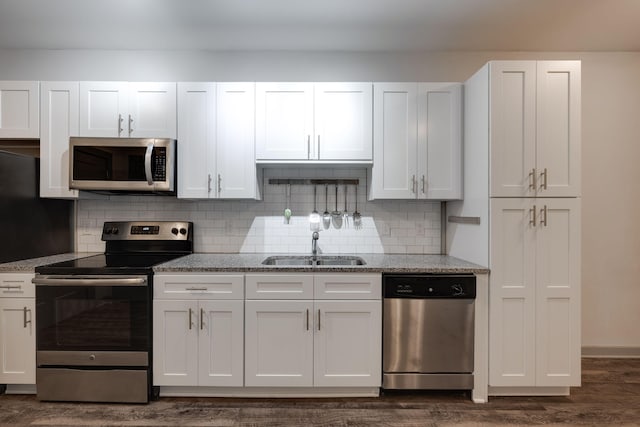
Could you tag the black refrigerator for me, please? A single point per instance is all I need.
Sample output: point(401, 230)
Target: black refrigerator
point(30, 227)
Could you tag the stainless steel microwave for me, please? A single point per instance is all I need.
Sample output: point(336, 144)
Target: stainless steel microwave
point(122, 164)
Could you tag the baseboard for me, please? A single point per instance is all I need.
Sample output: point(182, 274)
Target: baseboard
point(613, 352)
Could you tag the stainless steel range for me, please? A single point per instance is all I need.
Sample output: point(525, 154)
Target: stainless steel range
point(94, 320)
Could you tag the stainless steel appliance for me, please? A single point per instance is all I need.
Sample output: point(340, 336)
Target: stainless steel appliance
point(94, 319)
point(428, 331)
point(122, 164)
point(31, 226)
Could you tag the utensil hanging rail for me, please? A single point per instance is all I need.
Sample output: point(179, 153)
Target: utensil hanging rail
point(301, 181)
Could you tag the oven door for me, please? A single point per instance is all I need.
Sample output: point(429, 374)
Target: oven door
point(93, 313)
point(122, 164)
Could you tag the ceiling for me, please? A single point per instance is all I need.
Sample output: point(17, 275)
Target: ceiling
point(323, 25)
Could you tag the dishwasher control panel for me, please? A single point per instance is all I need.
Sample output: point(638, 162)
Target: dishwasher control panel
point(429, 286)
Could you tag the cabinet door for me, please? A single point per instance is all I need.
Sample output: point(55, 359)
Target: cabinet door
point(343, 121)
point(348, 343)
point(152, 110)
point(175, 343)
point(19, 110)
point(59, 103)
point(440, 141)
point(512, 316)
point(513, 128)
point(196, 136)
point(235, 159)
point(558, 128)
point(558, 293)
point(17, 341)
point(221, 343)
point(394, 141)
point(278, 343)
point(284, 121)
point(104, 109)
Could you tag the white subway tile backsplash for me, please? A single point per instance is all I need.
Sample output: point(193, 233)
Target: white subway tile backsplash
point(388, 226)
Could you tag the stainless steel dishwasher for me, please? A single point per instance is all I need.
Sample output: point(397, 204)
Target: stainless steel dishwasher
point(428, 331)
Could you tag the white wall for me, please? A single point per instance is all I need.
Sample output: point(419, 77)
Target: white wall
point(611, 125)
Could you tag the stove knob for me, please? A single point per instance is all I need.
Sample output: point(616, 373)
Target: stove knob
point(114, 230)
point(183, 231)
point(107, 231)
point(174, 231)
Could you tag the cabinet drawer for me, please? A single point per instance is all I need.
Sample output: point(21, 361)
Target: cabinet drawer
point(348, 286)
point(198, 286)
point(17, 285)
point(279, 286)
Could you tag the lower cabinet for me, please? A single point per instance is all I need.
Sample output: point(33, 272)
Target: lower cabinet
point(321, 343)
point(198, 341)
point(17, 329)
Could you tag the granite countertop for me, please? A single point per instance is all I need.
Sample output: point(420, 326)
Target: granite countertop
point(29, 265)
point(375, 263)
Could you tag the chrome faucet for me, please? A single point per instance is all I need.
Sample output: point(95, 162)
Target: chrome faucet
point(314, 243)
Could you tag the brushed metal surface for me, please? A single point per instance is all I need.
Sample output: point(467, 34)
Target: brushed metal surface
point(428, 335)
point(92, 358)
point(75, 385)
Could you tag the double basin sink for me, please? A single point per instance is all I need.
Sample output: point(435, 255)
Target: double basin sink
point(306, 260)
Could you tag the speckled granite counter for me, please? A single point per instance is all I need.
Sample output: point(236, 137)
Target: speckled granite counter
point(374, 263)
point(29, 265)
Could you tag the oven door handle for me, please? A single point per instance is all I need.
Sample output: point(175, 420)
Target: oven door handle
point(147, 163)
point(133, 281)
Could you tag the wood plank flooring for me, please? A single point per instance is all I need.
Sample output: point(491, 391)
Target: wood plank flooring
point(610, 395)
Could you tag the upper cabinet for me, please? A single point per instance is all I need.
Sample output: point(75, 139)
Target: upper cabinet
point(535, 128)
point(417, 141)
point(58, 120)
point(19, 109)
point(317, 122)
point(128, 110)
point(216, 151)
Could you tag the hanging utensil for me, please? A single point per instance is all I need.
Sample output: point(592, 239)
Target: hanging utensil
point(287, 210)
point(336, 215)
point(314, 218)
point(345, 214)
point(357, 218)
point(326, 216)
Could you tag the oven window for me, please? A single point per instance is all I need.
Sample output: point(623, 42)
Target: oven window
point(108, 318)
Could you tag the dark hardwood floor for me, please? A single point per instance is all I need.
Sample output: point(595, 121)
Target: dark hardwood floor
point(610, 395)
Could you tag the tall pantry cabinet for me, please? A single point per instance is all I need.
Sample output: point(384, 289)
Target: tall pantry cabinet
point(522, 181)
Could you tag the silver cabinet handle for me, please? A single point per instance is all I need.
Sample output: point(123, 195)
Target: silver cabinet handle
point(307, 319)
point(147, 163)
point(532, 214)
point(423, 184)
point(318, 319)
point(120, 120)
point(219, 184)
point(209, 184)
point(543, 216)
point(196, 289)
point(130, 124)
point(318, 147)
point(24, 316)
point(532, 179)
point(308, 146)
point(543, 177)
point(201, 319)
point(190, 318)
point(8, 287)
point(413, 183)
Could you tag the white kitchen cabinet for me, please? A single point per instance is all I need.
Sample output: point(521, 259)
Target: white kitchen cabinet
point(17, 329)
point(535, 128)
point(198, 340)
point(59, 103)
point(417, 141)
point(535, 292)
point(19, 109)
point(318, 122)
point(128, 110)
point(216, 152)
point(304, 342)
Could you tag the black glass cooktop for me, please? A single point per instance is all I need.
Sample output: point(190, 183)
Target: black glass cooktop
point(109, 264)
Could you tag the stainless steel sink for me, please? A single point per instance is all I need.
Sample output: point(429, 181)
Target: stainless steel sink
point(303, 260)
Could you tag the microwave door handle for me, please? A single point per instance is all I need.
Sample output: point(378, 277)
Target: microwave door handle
point(147, 163)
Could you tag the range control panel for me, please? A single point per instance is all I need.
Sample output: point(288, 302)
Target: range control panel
point(429, 286)
point(152, 230)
